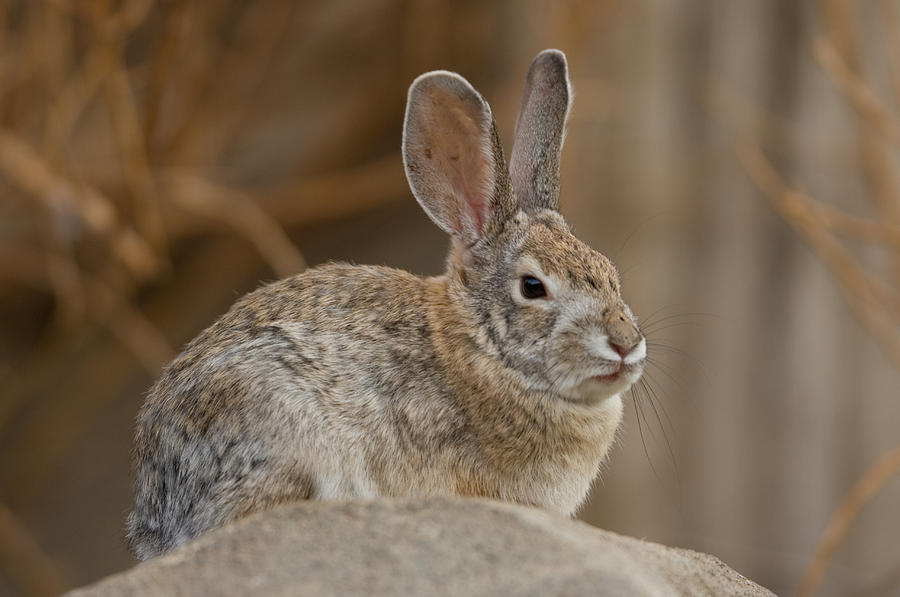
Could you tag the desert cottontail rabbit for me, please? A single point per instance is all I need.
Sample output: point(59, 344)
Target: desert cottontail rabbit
point(500, 378)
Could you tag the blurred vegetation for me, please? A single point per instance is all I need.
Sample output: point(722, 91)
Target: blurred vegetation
point(832, 232)
point(156, 156)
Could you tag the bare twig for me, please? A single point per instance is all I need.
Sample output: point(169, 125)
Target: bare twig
point(206, 54)
point(127, 126)
point(772, 131)
point(72, 100)
point(103, 373)
point(240, 213)
point(754, 122)
point(128, 325)
point(891, 21)
point(860, 95)
point(107, 309)
point(132, 147)
point(74, 202)
point(307, 201)
point(887, 467)
point(248, 73)
point(861, 291)
point(65, 278)
point(335, 194)
point(128, 18)
point(855, 227)
point(841, 56)
point(26, 170)
point(176, 25)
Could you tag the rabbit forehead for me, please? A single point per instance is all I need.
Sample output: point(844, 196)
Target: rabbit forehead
point(559, 253)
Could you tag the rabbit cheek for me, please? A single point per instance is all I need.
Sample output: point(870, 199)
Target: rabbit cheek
point(527, 342)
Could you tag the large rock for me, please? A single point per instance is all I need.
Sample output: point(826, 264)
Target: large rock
point(422, 547)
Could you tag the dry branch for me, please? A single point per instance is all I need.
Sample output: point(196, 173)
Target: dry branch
point(843, 59)
point(886, 468)
point(891, 20)
point(104, 372)
point(239, 212)
point(68, 200)
point(111, 310)
point(336, 194)
point(871, 300)
point(860, 95)
point(856, 227)
point(107, 309)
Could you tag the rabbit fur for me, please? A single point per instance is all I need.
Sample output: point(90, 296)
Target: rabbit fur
point(361, 381)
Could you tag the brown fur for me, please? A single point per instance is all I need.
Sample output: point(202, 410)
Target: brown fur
point(368, 381)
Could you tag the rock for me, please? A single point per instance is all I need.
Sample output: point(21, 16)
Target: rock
point(422, 547)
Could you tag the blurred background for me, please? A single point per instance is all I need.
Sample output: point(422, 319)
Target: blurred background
point(736, 159)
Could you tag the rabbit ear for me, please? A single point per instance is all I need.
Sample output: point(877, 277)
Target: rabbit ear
point(453, 158)
point(534, 164)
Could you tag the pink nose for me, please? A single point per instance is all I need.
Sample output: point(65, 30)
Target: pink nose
point(622, 349)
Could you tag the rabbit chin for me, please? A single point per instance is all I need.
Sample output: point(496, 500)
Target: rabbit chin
point(599, 388)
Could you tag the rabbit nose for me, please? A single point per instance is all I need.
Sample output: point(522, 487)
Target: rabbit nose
point(623, 350)
point(623, 336)
point(633, 350)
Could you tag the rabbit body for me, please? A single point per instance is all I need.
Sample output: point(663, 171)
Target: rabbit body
point(361, 381)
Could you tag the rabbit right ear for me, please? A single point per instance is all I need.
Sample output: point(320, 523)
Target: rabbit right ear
point(453, 158)
point(540, 129)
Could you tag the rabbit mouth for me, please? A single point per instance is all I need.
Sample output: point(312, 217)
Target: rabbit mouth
point(609, 378)
point(617, 370)
point(612, 375)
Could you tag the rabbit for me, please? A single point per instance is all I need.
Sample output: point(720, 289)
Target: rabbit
point(501, 378)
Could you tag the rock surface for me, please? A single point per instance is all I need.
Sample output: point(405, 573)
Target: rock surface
point(422, 547)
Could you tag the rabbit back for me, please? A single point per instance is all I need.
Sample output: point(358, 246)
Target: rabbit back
point(302, 390)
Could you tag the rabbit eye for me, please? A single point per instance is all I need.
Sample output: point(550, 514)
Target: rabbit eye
point(532, 288)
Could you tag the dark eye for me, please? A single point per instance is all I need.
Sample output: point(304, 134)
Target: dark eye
point(532, 288)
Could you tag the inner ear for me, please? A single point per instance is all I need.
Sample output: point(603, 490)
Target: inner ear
point(452, 156)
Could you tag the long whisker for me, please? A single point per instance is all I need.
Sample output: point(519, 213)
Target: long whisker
point(654, 343)
point(668, 324)
point(650, 383)
point(659, 316)
point(678, 478)
point(654, 399)
point(653, 317)
point(634, 231)
point(665, 370)
point(638, 413)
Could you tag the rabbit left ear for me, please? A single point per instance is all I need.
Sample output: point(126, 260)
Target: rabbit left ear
point(540, 128)
point(453, 158)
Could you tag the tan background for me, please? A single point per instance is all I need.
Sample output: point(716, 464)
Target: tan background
point(152, 152)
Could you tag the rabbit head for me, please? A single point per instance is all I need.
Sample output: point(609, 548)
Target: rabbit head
point(544, 302)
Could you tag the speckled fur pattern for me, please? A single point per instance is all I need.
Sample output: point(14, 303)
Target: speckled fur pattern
point(362, 381)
